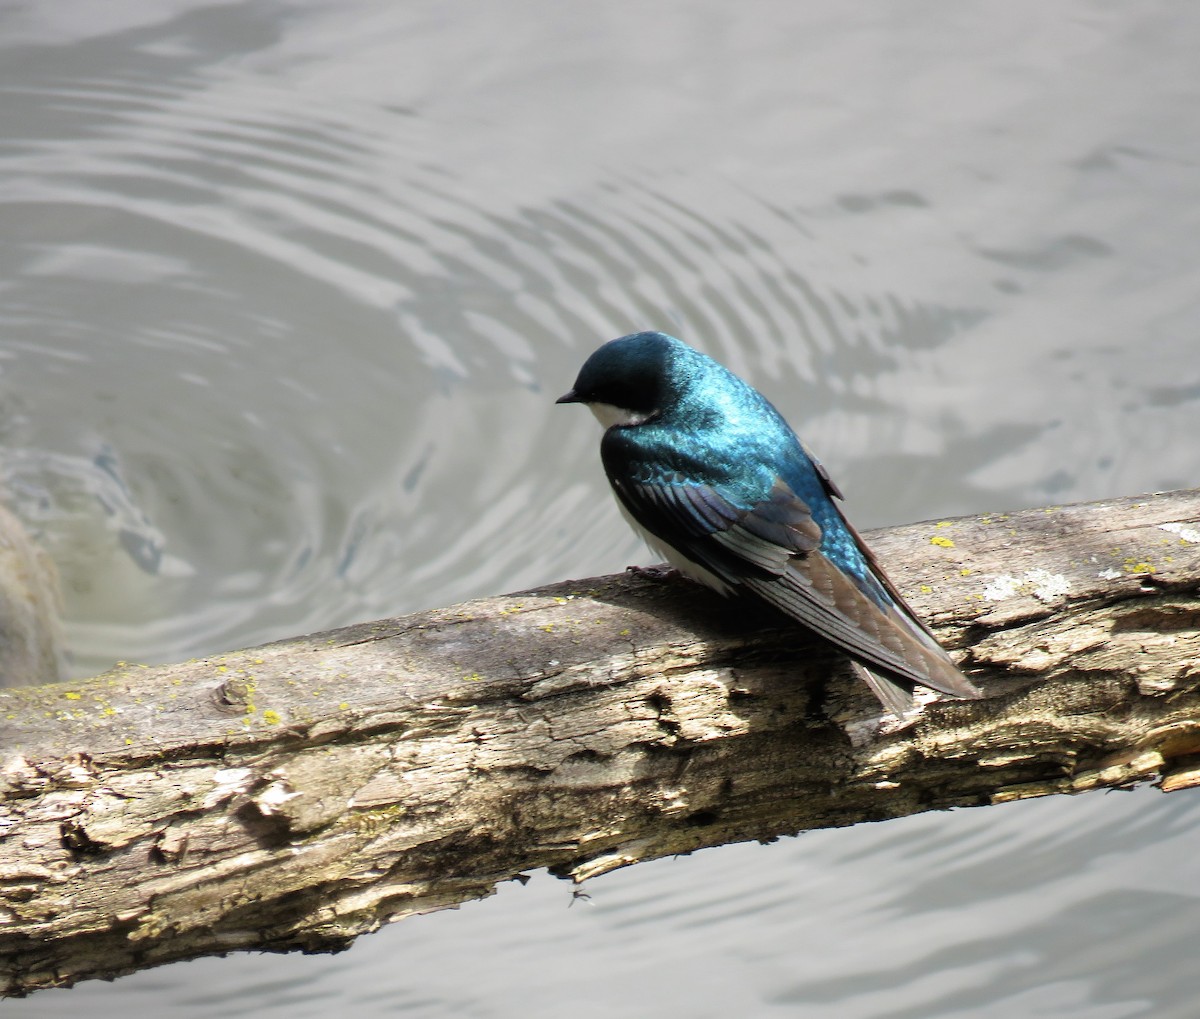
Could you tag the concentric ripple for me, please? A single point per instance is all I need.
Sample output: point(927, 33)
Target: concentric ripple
point(296, 336)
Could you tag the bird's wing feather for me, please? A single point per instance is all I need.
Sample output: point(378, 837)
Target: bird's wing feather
point(772, 548)
point(698, 518)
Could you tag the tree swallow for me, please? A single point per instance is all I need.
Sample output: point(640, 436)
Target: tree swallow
point(715, 481)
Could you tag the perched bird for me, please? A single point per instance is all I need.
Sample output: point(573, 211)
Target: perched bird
point(714, 479)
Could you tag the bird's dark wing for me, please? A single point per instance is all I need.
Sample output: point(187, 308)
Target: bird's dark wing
point(773, 548)
point(834, 492)
point(719, 534)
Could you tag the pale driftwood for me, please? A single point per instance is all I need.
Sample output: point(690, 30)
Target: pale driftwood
point(297, 795)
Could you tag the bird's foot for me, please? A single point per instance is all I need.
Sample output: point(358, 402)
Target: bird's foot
point(660, 572)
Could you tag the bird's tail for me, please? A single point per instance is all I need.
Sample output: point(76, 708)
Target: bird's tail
point(925, 661)
point(895, 696)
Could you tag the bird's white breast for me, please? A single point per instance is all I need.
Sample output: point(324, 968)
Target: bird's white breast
point(691, 570)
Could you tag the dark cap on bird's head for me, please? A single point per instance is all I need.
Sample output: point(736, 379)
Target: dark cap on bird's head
point(631, 372)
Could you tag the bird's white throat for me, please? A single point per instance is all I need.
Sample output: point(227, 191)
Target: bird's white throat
point(608, 415)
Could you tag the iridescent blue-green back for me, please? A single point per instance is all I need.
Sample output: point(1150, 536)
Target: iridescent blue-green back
point(717, 430)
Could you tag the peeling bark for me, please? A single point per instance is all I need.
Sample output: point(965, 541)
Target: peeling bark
point(296, 795)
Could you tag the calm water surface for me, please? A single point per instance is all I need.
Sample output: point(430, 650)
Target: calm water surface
point(287, 291)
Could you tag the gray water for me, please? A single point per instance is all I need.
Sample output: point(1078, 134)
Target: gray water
point(287, 291)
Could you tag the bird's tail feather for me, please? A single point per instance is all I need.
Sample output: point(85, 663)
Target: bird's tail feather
point(893, 695)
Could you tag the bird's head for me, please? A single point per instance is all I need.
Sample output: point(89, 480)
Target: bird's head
point(629, 380)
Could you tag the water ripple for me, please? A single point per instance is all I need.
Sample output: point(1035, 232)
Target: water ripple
point(299, 302)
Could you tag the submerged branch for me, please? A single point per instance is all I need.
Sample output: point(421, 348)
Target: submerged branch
point(297, 795)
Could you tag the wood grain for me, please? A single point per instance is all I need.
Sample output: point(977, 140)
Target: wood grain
point(297, 795)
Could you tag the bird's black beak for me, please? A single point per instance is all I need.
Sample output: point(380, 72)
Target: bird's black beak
point(568, 397)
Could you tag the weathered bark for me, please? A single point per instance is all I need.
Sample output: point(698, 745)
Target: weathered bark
point(297, 795)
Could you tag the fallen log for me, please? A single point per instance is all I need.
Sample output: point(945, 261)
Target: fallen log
point(297, 795)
